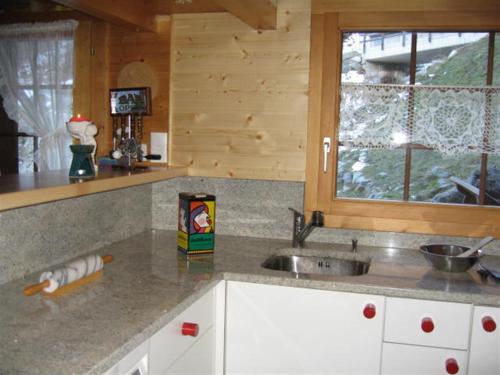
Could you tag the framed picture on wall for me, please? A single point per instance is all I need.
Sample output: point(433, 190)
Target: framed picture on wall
point(131, 100)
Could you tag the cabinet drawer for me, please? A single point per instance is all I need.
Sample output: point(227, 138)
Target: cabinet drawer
point(406, 359)
point(431, 323)
point(485, 342)
point(168, 344)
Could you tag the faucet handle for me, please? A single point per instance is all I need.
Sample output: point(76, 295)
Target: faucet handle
point(354, 242)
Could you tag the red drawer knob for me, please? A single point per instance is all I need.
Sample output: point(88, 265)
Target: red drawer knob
point(427, 325)
point(369, 311)
point(451, 366)
point(489, 324)
point(190, 329)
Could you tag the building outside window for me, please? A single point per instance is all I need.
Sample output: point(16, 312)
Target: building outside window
point(420, 117)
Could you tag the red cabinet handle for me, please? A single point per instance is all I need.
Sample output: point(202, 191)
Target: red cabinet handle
point(190, 329)
point(451, 366)
point(427, 325)
point(489, 324)
point(369, 311)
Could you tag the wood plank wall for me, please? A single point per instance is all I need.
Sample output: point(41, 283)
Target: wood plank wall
point(153, 49)
point(239, 97)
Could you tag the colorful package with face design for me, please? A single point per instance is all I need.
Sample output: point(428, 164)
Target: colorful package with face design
point(196, 231)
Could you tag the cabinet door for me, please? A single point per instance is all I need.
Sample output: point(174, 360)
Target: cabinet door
point(199, 359)
point(399, 359)
point(485, 342)
point(171, 343)
point(274, 329)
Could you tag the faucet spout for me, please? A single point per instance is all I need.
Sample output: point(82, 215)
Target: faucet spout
point(301, 230)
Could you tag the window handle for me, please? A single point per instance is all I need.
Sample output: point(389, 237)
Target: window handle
point(327, 143)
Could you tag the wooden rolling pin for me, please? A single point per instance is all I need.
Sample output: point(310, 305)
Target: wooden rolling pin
point(73, 272)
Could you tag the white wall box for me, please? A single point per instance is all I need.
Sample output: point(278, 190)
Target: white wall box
point(275, 329)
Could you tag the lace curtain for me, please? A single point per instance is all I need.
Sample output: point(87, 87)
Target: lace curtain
point(452, 120)
point(36, 83)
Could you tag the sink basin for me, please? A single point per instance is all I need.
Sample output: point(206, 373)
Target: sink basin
point(340, 264)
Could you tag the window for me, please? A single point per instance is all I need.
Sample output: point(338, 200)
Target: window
point(381, 70)
point(419, 117)
point(36, 83)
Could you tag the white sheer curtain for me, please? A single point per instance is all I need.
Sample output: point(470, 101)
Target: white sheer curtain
point(36, 83)
point(451, 119)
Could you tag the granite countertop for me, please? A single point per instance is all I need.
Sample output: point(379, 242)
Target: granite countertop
point(149, 283)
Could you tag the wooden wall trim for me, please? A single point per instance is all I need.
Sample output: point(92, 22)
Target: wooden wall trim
point(136, 15)
point(56, 185)
point(339, 6)
point(313, 157)
point(366, 21)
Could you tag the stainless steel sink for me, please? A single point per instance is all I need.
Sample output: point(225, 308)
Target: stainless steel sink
point(340, 264)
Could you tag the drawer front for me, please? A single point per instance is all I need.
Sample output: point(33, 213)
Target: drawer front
point(168, 344)
point(485, 342)
point(447, 324)
point(418, 360)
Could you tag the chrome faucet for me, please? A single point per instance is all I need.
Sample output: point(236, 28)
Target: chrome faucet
point(301, 230)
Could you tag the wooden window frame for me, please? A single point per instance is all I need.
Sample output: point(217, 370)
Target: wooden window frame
point(325, 62)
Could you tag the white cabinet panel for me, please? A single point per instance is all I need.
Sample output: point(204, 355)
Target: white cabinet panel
point(134, 363)
point(398, 359)
point(451, 322)
point(168, 344)
point(275, 329)
point(199, 359)
point(485, 346)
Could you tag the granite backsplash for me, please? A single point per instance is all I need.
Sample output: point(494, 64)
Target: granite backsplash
point(35, 237)
point(258, 208)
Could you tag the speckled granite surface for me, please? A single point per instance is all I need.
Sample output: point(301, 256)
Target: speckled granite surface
point(38, 236)
point(149, 283)
point(258, 208)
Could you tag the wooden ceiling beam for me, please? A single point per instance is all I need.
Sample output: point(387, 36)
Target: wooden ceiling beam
point(260, 14)
point(136, 14)
point(339, 6)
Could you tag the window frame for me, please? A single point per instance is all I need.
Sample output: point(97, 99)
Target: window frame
point(325, 66)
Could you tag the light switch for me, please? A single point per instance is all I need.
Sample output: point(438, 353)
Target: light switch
point(159, 146)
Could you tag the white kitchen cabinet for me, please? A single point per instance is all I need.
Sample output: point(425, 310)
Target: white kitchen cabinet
point(425, 337)
point(191, 342)
point(134, 363)
point(199, 359)
point(275, 329)
point(398, 359)
point(485, 342)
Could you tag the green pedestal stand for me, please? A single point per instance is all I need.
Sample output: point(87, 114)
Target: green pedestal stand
point(82, 166)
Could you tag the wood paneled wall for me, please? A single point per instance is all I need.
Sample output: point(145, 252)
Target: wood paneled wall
point(239, 97)
point(125, 47)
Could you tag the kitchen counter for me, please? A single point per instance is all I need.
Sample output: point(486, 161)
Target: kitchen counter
point(149, 283)
point(41, 187)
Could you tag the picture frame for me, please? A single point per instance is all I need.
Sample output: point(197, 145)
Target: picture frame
point(130, 101)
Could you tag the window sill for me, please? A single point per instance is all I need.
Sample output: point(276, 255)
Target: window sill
point(25, 190)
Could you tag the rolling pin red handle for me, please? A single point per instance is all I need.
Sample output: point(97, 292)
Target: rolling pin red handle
point(35, 288)
point(107, 258)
